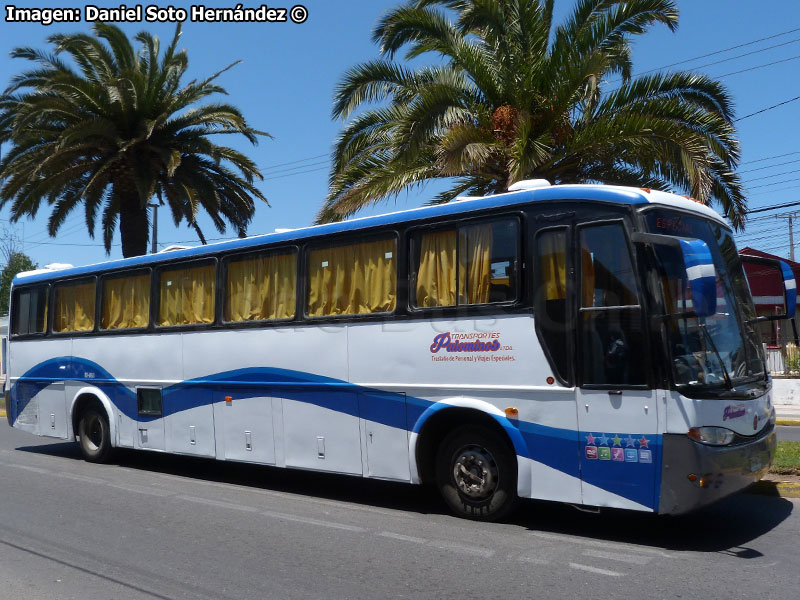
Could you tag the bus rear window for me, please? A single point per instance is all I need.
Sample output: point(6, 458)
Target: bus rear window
point(30, 311)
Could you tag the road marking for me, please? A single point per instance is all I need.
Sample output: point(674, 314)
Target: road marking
point(294, 497)
point(533, 560)
point(141, 490)
point(218, 503)
point(28, 468)
point(615, 545)
point(81, 478)
point(309, 521)
point(595, 570)
point(404, 538)
point(626, 558)
point(462, 548)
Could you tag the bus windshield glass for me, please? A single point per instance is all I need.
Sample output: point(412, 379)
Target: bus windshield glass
point(721, 350)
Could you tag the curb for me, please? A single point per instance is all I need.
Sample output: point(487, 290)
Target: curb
point(2, 413)
point(788, 422)
point(775, 489)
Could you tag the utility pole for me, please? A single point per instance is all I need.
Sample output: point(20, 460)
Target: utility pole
point(790, 218)
point(154, 245)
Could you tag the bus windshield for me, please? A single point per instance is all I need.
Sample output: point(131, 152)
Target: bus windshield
point(722, 350)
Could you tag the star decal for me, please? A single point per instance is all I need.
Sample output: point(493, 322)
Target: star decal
point(590, 440)
point(603, 440)
point(643, 441)
point(630, 442)
point(617, 440)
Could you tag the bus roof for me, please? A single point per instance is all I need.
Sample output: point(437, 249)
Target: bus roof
point(583, 192)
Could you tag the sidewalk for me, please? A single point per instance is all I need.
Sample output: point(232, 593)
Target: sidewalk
point(788, 414)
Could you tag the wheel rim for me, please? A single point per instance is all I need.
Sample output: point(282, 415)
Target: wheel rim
point(92, 433)
point(475, 472)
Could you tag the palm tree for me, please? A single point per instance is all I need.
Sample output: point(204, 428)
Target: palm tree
point(113, 129)
point(509, 96)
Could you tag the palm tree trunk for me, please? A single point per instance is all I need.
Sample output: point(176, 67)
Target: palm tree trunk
point(133, 226)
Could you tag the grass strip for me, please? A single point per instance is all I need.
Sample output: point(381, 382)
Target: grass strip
point(787, 459)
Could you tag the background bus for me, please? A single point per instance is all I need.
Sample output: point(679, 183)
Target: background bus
point(564, 343)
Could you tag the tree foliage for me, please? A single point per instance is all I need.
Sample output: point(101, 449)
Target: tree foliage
point(17, 263)
point(100, 124)
point(511, 95)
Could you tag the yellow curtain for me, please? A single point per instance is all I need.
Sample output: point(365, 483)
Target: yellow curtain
point(352, 280)
point(476, 264)
point(186, 296)
point(75, 307)
point(261, 288)
point(126, 302)
point(436, 277)
point(553, 263)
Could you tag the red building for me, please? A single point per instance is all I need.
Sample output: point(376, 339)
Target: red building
point(768, 297)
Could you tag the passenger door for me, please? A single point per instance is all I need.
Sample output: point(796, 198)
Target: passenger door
point(617, 419)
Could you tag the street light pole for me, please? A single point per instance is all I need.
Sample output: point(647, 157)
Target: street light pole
point(154, 245)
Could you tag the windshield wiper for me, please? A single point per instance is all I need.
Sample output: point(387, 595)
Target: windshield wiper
point(716, 353)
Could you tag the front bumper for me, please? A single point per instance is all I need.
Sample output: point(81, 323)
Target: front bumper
point(725, 470)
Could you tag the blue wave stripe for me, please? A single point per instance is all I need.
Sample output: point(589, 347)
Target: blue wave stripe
point(555, 447)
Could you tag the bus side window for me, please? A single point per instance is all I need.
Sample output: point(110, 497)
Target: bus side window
point(30, 311)
point(260, 288)
point(612, 335)
point(474, 264)
point(75, 304)
point(126, 302)
point(186, 295)
point(354, 279)
point(551, 298)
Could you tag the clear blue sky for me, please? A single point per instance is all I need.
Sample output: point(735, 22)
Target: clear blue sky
point(285, 84)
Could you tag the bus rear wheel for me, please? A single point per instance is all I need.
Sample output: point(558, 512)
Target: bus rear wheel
point(476, 473)
point(94, 435)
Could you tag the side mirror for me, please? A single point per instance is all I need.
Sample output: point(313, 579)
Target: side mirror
point(702, 276)
point(773, 279)
point(698, 266)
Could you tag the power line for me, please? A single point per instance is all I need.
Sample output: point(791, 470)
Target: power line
point(774, 183)
point(769, 64)
point(298, 173)
point(269, 167)
point(758, 112)
point(770, 166)
point(746, 54)
point(681, 62)
point(314, 164)
point(774, 175)
point(747, 162)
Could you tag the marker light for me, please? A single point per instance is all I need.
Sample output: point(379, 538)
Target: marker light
point(712, 436)
point(512, 411)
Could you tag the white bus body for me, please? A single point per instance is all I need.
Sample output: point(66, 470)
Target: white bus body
point(396, 395)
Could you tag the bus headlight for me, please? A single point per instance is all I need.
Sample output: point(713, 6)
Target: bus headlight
point(713, 436)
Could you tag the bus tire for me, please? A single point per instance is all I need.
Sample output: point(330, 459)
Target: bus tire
point(94, 435)
point(476, 473)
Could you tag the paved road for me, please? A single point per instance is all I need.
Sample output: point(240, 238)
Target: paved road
point(789, 434)
point(151, 526)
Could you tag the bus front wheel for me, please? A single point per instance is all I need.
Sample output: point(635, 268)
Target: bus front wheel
point(476, 473)
point(94, 435)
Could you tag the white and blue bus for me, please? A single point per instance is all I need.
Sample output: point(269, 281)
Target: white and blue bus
point(588, 344)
